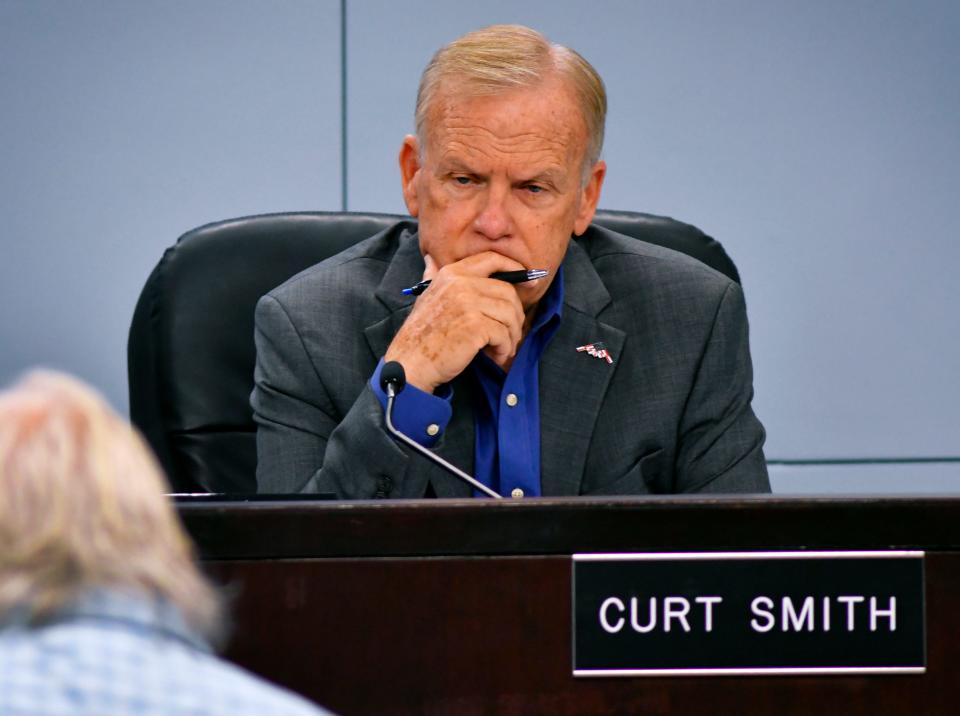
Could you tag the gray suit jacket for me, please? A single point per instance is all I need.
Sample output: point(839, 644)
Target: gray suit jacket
point(671, 414)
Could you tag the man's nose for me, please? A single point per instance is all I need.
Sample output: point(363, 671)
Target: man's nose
point(493, 218)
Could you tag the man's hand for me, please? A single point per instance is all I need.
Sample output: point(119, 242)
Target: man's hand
point(461, 313)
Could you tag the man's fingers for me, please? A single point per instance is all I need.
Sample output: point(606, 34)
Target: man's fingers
point(500, 341)
point(509, 314)
point(489, 306)
point(486, 263)
point(461, 313)
point(430, 267)
point(496, 299)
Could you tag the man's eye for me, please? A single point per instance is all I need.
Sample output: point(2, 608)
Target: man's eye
point(463, 181)
point(534, 189)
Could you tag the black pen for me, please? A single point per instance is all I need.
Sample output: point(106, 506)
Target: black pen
point(508, 276)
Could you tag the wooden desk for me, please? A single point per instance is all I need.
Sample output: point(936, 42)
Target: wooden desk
point(464, 607)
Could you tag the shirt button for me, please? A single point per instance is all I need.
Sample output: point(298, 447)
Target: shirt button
point(433, 429)
point(517, 492)
point(512, 401)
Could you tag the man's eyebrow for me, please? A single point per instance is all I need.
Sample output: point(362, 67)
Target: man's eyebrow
point(545, 176)
point(454, 164)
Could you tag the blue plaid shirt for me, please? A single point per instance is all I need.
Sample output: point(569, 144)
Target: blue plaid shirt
point(111, 654)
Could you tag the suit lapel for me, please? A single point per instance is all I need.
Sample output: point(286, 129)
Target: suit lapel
point(404, 270)
point(573, 384)
point(457, 443)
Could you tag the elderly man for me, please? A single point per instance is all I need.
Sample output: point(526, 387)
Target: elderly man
point(102, 610)
point(626, 370)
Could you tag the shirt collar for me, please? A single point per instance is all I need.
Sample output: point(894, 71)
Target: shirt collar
point(132, 608)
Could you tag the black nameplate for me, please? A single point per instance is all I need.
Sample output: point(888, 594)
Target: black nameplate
point(748, 612)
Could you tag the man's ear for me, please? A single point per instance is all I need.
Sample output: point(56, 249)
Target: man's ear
point(409, 168)
point(590, 197)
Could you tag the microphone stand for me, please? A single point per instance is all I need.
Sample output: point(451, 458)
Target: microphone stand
point(391, 390)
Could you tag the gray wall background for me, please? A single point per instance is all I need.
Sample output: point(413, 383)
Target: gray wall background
point(818, 141)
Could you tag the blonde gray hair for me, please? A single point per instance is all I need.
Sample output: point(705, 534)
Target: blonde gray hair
point(82, 507)
point(503, 57)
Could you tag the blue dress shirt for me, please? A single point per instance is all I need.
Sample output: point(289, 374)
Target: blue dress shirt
point(507, 446)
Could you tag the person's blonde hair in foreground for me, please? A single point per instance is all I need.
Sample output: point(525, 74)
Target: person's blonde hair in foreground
point(81, 507)
point(102, 609)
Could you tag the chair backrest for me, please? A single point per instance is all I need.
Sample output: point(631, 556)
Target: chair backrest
point(190, 354)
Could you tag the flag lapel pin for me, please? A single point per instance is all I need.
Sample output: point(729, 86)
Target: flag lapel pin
point(597, 350)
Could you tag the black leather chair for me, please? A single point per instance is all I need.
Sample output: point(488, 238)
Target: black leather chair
point(191, 352)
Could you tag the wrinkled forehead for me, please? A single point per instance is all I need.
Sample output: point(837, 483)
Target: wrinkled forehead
point(546, 113)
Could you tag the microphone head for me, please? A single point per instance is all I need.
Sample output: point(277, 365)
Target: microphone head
point(393, 374)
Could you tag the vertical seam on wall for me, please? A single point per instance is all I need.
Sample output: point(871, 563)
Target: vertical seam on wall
point(343, 106)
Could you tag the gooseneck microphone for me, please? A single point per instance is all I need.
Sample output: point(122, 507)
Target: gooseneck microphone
point(393, 380)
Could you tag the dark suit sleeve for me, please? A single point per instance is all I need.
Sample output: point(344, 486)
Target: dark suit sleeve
point(721, 440)
point(303, 444)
